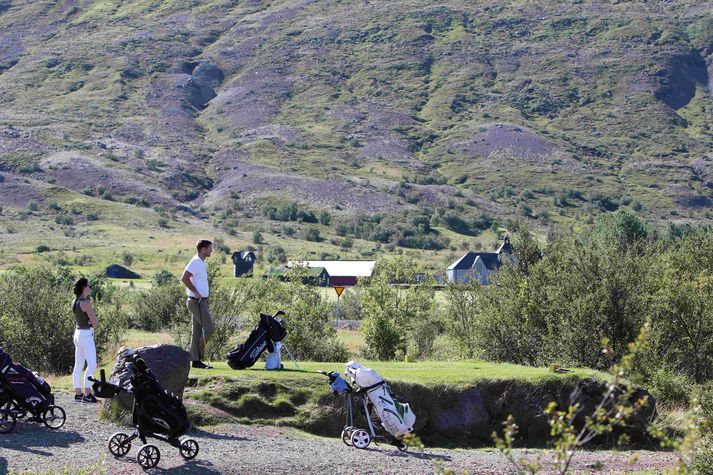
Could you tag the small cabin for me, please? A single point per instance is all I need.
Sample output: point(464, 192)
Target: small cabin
point(243, 262)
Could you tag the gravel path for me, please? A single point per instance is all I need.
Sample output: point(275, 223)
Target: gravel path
point(232, 448)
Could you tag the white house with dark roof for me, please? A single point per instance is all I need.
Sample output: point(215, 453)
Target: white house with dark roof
point(341, 272)
point(478, 265)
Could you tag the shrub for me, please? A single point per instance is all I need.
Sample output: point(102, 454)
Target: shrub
point(257, 237)
point(276, 255)
point(325, 218)
point(220, 246)
point(456, 223)
point(289, 212)
point(390, 311)
point(669, 387)
point(313, 234)
point(462, 311)
point(159, 307)
point(127, 258)
point(163, 277)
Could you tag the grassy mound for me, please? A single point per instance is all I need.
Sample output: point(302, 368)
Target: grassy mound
point(456, 403)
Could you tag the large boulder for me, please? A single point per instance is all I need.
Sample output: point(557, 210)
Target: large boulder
point(169, 363)
point(589, 394)
point(467, 416)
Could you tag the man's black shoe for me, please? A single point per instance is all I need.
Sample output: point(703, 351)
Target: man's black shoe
point(201, 365)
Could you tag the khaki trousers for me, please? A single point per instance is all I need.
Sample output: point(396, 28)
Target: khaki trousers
point(203, 327)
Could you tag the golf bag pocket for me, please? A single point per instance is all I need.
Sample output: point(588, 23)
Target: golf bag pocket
point(245, 355)
point(397, 418)
point(162, 413)
point(29, 392)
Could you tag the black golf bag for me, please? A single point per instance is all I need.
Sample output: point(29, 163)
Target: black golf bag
point(155, 411)
point(23, 392)
point(27, 389)
point(269, 330)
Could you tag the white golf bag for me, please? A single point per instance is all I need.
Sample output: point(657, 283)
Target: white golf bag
point(397, 418)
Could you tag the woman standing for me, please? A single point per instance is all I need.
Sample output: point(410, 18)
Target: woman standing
point(84, 349)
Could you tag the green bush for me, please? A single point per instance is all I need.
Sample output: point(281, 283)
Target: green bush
point(127, 258)
point(462, 312)
point(160, 306)
point(313, 234)
point(163, 277)
point(392, 311)
point(289, 212)
point(669, 387)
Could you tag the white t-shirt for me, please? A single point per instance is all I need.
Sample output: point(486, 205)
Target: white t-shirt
point(200, 277)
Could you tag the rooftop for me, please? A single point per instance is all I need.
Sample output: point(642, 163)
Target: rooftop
point(341, 268)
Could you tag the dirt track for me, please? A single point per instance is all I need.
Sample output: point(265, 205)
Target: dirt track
point(241, 449)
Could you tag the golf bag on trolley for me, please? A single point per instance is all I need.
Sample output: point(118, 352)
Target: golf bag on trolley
point(156, 412)
point(369, 391)
point(24, 392)
point(269, 330)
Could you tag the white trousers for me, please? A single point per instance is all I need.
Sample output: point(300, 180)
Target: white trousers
point(84, 352)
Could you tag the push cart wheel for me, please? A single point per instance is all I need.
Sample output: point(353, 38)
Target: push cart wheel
point(402, 447)
point(347, 435)
point(118, 445)
point(189, 449)
point(148, 456)
point(54, 417)
point(7, 420)
point(361, 439)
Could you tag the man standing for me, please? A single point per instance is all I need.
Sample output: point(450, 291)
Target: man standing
point(195, 278)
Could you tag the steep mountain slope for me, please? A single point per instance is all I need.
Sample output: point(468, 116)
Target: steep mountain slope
point(551, 110)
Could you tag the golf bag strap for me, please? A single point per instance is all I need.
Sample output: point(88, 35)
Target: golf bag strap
point(373, 386)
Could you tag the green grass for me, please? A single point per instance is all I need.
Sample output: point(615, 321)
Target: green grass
point(450, 373)
point(302, 398)
point(454, 373)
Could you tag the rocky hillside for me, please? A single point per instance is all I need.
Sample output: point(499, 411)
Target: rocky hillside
point(555, 111)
